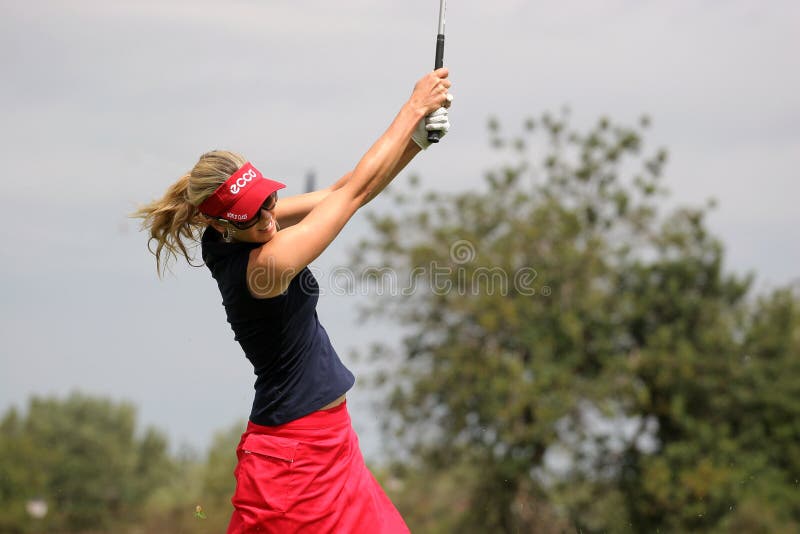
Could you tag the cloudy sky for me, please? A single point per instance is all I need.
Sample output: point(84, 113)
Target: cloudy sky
point(103, 104)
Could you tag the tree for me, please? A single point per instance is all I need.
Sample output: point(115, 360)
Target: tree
point(209, 484)
point(82, 457)
point(218, 480)
point(560, 311)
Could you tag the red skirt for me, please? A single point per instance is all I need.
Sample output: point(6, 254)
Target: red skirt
point(308, 476)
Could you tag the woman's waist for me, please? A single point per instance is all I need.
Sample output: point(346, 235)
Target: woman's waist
point(334, 416)
point(335, 403)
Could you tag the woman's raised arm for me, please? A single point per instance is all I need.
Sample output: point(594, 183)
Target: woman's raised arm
point(275, 263)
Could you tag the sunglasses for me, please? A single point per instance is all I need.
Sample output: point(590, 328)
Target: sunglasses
point(269, 205)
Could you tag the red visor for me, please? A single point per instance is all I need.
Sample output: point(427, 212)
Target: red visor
point(241, 196)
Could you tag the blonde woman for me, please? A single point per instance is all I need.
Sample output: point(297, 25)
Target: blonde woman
point(300, 467)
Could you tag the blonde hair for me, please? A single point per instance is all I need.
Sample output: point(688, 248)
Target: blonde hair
point(174, 220)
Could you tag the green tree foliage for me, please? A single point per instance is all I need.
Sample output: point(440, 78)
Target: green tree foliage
point(85, 459)
point(209, 484)
point(218, 481)
point(82, 457)
point(577, 344)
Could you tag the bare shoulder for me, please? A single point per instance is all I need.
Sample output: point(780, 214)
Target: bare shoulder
point(273, 265)
point(267, 275)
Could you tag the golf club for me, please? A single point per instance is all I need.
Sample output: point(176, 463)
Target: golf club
point(433, 135)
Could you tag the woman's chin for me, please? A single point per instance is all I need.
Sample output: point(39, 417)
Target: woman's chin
point(266, 233)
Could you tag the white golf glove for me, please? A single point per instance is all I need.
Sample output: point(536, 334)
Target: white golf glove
point(438, 120)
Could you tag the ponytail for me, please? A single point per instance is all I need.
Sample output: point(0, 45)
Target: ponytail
point(174, 220)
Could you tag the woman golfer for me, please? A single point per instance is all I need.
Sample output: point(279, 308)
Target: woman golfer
point(300, 467)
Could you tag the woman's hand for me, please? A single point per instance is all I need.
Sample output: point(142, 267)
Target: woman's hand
point(437, 121)
point(430, 92)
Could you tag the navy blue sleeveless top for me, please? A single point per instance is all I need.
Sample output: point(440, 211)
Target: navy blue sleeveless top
point(297, 369)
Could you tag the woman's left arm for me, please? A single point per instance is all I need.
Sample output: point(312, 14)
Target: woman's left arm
point(292, 210)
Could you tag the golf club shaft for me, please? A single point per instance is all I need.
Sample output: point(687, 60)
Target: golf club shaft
point(433, 136)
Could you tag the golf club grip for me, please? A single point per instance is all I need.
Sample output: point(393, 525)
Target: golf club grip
point(433, 135)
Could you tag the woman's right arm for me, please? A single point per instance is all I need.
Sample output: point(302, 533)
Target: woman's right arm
point(275, 263)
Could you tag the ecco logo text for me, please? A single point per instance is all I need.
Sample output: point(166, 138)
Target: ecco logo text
point(242, 181)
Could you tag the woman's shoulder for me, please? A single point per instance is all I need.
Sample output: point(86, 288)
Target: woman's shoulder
point(215, 249)
point(265, 283)
point(228, 262)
